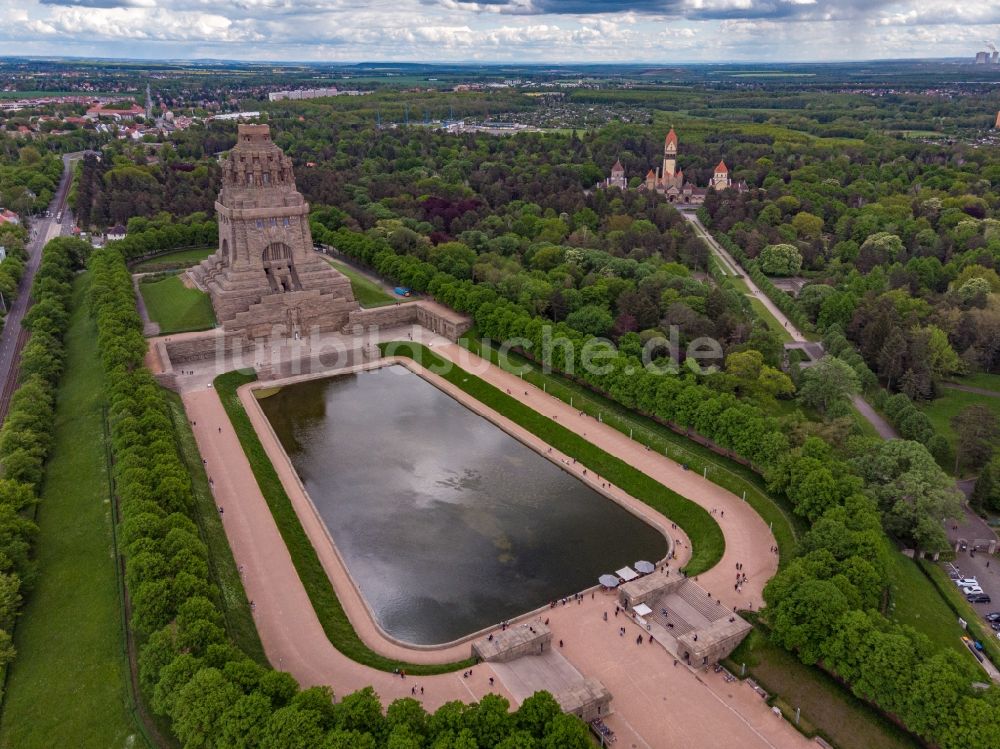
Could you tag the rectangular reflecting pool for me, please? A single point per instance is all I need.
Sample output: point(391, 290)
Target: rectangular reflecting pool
point(447, 523)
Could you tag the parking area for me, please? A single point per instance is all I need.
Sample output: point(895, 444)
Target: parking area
point(973, 562)
point(976, 573)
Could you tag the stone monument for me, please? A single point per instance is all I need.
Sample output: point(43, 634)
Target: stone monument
point(265, 276)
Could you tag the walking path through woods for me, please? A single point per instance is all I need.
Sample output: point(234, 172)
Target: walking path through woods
point(814, 349)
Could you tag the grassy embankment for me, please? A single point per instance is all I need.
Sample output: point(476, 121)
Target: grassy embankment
point(827, 708)
point(176, 307)
point(916, 602)
point(68, 685)
point(367, 292)
point(173, 260)
point(310, 570)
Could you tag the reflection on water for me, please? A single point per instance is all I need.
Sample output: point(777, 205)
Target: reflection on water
point(447, 524)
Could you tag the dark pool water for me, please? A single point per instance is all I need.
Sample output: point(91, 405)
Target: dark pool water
point(447, 523)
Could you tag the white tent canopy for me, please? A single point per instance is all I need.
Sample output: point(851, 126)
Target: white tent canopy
point(642, 610)
point(627, 573)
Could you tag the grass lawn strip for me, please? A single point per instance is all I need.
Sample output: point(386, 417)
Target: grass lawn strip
point(707, 541)
point(367, 292)
point(728, 474)
point(828, 708)
point(173, 260)
point(176, 307)
point(314, 579)
point(234, 605)
point(67, 686)
point(915, 602)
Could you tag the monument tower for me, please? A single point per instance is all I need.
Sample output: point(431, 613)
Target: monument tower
point(265, 273)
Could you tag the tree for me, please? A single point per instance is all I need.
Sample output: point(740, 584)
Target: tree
point(536, 712)
point(780, 260)
point(242, 725)
point(591, 319)
point(977, 430)
point(805, 617)
point(807, 225)
point(490, 720)
point(987, 490)
point(891, 357)
point(200, 705)
point(827, 384)
point(566, 732)
point(756, 378)
point(944, 362)
point(912, 491)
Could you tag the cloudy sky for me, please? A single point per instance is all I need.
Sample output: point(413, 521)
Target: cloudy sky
point(649, 31)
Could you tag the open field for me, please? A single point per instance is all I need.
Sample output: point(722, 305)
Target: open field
point(950, 403)
point(832, 710)
point(68, 684)
point(367, 292)
point(985, 381)
point(176, 307)
point(174, 260)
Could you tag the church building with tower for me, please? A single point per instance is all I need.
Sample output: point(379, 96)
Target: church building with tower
point(669, 179)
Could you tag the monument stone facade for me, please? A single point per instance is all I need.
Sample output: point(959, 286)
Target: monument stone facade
point(265, 275)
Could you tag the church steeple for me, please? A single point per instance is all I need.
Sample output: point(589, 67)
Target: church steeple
point(670, 154)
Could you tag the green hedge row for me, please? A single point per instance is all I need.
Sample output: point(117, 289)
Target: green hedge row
point(174, 236)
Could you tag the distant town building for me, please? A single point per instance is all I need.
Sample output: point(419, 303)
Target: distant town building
point(9, 217)
point(312, 93)
point(100, 111)
point(116, 233)
point(237, 116)
point(617, 178)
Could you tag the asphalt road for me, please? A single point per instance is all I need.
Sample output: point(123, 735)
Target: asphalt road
point(42, 230)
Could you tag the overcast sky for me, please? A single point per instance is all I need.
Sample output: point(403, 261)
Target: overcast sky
point(649, 31)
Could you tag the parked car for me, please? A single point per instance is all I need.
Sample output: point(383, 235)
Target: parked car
point(978, 598)
point(993, 616)
point(972, 590)
point(995, 626)
point(963, 581)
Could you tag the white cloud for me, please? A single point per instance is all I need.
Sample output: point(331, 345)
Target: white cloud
point(651, 31)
